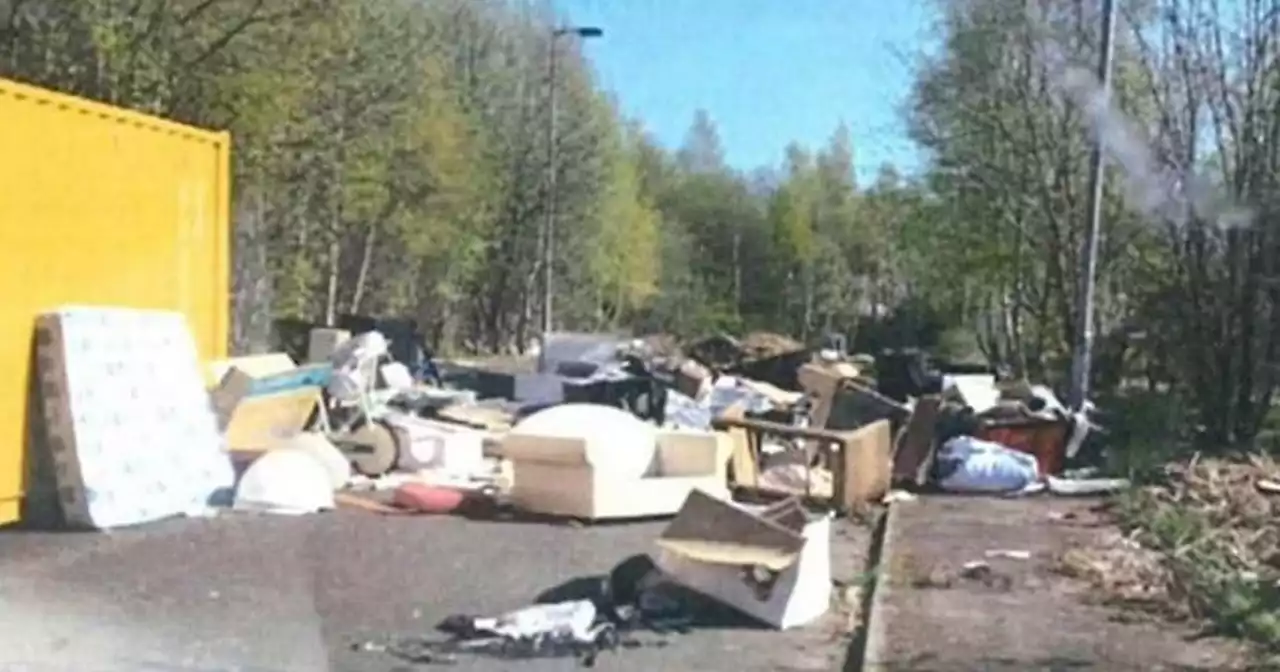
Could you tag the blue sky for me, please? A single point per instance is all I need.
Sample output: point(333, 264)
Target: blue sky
point(768, 71)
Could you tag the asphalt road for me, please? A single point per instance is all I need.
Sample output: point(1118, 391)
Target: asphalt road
point(270, 594)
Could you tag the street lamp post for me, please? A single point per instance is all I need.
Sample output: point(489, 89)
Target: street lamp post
point(549, 230)
point(1082, 358)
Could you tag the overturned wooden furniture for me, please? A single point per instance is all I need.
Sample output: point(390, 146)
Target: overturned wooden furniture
point(841, 402)
point(860, 460)
point(915, 444)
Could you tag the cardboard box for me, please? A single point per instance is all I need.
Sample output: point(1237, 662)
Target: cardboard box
point(323, 342)
point(263, 398)
point(551, 475)
point(772, 564)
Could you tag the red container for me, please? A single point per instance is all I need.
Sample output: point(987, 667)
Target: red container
point(1046, 440)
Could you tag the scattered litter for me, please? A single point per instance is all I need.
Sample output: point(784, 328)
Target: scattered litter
point(573, 621)
point(352, 501)
point(1086, 487)
point(982, 572)
point(1032, 488)
point(361, 483)
point(1123, 569)
point(896, 496)
point(1269, 487)
point(635, 596)
point(1008, 554)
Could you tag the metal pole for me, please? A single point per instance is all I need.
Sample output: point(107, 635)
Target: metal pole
point(549, 231)
point(1083, 356)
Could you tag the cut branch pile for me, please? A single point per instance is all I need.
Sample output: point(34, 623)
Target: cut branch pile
point(1213, 524)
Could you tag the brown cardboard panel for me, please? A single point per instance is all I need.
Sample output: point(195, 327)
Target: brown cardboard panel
point(253, 420)
point(718, 532)
point(257, 423)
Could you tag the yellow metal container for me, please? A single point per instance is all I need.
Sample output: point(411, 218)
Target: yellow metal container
point(102, 206)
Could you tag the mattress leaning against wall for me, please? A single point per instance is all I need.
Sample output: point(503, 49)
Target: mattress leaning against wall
point(101, 206)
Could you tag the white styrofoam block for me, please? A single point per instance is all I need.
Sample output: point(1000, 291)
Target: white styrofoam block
point(800, 595)
point(133, 436)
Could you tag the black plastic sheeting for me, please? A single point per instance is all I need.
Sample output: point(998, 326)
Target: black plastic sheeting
point(563, 352)
point(635, 607)
point(911, 372)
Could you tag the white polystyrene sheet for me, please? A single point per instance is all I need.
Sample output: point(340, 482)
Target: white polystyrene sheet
point(133, 436)
point(289, 481)
point(978, 391)
point(614, 441)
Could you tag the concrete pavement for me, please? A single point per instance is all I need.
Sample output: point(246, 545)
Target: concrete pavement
point(1020, 613)
point(275, 594)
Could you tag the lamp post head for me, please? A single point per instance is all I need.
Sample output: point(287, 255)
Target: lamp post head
point(584, 32)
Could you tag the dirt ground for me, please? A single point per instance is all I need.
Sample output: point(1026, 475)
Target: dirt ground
point(1015, 613)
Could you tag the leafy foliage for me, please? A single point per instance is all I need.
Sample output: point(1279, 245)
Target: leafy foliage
point(392, 156)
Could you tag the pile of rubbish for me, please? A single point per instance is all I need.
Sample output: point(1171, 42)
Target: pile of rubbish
point(371, 419)
point(751, 446)
point(722, 414)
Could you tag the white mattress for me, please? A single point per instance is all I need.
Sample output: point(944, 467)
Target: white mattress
point(129, 424)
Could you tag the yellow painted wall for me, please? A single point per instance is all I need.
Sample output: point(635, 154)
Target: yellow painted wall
point(102, 206)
